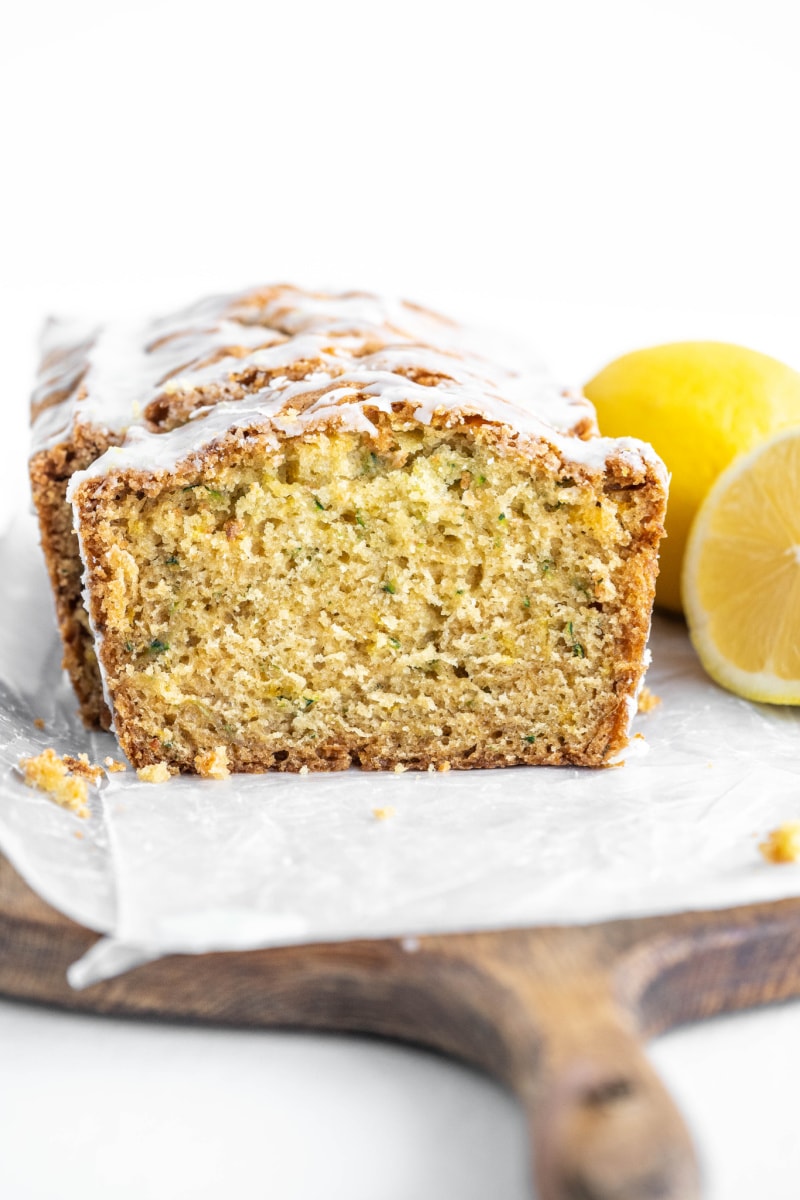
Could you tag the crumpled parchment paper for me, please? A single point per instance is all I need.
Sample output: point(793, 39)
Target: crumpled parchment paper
point(196, 865)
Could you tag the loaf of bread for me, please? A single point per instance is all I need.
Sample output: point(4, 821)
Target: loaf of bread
point(302, 531)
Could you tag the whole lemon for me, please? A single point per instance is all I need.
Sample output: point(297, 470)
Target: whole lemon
point(699, 404)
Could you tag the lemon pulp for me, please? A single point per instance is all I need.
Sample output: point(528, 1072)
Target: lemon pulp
point(741, 576)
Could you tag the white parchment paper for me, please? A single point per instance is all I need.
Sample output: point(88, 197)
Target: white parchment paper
point(257, 861)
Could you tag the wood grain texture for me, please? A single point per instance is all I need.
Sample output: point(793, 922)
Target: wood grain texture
point(559, 1015)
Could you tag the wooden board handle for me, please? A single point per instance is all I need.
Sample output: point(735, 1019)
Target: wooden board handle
point(568, 1041)
point(603, 1126)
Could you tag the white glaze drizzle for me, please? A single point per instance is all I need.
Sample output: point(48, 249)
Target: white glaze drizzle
point(357, 346)
point(271, 408)
point(97, 636)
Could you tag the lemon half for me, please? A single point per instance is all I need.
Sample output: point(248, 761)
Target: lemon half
point(741, 574)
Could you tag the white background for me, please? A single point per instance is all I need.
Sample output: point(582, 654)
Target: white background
point(594, 174)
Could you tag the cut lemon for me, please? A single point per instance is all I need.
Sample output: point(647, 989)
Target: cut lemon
point(741, 575)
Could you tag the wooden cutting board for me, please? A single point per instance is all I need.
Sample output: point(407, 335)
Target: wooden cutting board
point(560, 1015)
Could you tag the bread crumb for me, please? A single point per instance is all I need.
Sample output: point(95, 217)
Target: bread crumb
point(51, 774)
point(431, 768)
point(647, 700)
point(81, 766)
point(383, 814)
point(444, 766)
point(303, 770)
point(399, 768)
point(154, 773)
point(39, 723)
point(782, 845)
point(112, 765)
point(212, 764)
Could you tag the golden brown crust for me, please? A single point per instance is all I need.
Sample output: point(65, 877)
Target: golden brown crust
point(50, 473)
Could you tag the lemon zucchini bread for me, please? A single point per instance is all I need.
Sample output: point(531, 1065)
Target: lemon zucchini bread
point(322, 530)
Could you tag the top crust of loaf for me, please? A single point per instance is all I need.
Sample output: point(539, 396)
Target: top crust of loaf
point(155, 374)
point(293, 360)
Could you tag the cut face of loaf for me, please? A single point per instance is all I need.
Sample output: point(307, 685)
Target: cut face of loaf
point(99, 386)
point(429, 592)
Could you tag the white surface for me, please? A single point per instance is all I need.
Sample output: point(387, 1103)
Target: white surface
point(597, 176)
